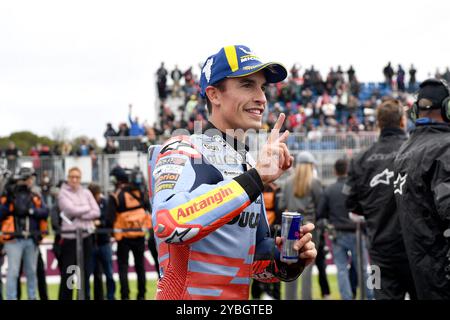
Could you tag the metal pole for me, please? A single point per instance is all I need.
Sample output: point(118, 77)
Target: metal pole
point(80, 263)
point(359, 250)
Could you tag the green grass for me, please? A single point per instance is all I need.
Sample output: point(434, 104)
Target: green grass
point(316, 294)
point(151, 289)
point(150, 292)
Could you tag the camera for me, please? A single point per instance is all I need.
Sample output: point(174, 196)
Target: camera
point(132, 176)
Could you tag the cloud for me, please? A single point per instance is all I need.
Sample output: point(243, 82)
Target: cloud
point(86, 60)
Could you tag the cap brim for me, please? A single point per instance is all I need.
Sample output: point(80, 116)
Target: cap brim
point(274, 72)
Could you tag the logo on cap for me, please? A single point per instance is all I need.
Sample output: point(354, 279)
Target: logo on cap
point(207, 68)
point(245, 51)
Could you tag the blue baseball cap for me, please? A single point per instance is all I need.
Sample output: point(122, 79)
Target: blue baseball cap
point(237, 61)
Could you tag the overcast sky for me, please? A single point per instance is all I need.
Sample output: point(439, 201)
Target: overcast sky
point(78, 64)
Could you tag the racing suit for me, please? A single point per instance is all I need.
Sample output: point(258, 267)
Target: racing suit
point(371, 193)
point(209, 219)
point(422, 192)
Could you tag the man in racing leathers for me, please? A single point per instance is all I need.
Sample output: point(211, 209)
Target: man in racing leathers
point(208, 211)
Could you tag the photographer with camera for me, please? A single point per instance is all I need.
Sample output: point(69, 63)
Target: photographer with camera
point(22, 212)
point(128, 209)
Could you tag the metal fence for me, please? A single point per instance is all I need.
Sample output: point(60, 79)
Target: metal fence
point(296, 141)
point(131, 143)
point(80, 234)
point(326, 150)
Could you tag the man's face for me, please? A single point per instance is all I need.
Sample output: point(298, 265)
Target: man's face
point(242, 103)
point(29, 182)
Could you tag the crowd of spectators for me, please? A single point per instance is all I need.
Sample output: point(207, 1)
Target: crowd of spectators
point(313, 104)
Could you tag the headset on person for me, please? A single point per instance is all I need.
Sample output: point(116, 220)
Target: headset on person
point(445, 104)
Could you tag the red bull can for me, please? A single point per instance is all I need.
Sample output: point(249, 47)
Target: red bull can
point(290, 232)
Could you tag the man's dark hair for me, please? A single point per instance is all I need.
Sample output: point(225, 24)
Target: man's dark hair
point(219, 85)
point(389, 114)
point(340, 166)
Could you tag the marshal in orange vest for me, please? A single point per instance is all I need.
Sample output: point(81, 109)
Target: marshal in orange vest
point(131, 214)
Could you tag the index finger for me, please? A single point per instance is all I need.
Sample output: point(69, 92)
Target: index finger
point(277, 127)
point(307, 228)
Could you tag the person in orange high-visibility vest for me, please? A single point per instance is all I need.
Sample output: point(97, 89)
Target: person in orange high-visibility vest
point(127, 209)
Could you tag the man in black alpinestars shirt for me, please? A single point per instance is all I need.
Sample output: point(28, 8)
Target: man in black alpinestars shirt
point(371, 181)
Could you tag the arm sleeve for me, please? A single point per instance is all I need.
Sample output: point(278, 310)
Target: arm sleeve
point(323, 209)
point(282, 201)
point(110, 215)
point(186, 210)
point(440, 186)
point(317, 192)
point(352, 188)
point(94, 209)
point(267, 266)
point(4, 210)
point(71, 210)
point(40, 209)
point(130, 120)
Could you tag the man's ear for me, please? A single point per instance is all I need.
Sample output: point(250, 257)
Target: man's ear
point(213, 95)
point(403, 122)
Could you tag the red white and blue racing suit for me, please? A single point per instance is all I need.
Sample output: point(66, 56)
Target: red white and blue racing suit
point(209, 219)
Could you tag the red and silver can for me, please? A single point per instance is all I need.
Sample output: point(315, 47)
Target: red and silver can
point(290, 232)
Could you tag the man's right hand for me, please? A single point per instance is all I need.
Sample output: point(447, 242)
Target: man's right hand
point(274, 157)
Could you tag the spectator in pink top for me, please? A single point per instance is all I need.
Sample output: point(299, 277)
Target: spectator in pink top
point(78, 210)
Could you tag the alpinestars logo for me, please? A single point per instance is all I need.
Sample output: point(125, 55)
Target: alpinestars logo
point(207, 69)
point(399, 183)
point(178, 236)
point(182, 146)
point(383, 177)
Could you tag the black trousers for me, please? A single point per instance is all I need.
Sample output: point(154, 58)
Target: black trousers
point(68, 261)
point(321, 264)
point(152, 248)
point(98, 280)
point(396, 280)
point(272, 289)
point(137, 247)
